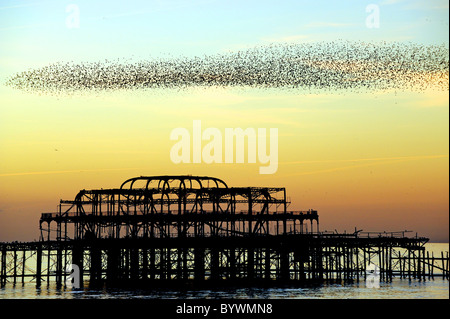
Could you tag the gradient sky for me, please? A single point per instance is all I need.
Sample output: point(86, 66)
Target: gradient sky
point(376, 161)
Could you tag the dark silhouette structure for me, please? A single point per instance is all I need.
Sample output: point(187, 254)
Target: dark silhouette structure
point(195, 230)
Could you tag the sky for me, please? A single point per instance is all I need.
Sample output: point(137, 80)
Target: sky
point(376, 160)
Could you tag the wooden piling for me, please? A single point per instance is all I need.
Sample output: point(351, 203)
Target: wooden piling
point(23, 265)
point(267, 270)
point(144, 268)
point(152, 269)
point(3, 267)
point(38, 266)
point(134, 264)
point(95, 270)
point(432, 263)
point(419, 266)
point(59, 267)
point(199, 264)
point(284, 267)
point(48, 265)
point(15, 266)
point(380, 262)
point(447, 268)
point(113, 264)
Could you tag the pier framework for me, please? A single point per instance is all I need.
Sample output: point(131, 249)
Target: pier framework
point(195, 230)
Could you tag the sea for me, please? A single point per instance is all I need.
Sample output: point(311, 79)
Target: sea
point(430, 288)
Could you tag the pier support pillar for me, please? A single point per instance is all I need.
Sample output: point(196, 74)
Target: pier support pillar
point(144, 268)
point(113, 263)
point(152, 269)
point(199, 264)
point(3, 268)
point(284, 265)
point(38, 266)
point(214, 264)
point(96, 266)
point(267, 269)
point(59, 269)
point(134, 263)
point(232, 264)
point(250, 263)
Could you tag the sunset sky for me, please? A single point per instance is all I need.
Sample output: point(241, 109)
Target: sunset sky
point(376, 160)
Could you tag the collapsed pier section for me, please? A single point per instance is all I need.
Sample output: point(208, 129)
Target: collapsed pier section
point(176, 207)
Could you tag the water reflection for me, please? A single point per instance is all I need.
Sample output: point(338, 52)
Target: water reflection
point(397, 289)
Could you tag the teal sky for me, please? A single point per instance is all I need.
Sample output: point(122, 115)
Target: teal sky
point(34, 33)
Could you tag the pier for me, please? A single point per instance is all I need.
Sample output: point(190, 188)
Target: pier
point(195, 231)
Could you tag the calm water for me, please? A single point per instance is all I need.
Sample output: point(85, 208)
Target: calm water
point(437, 288)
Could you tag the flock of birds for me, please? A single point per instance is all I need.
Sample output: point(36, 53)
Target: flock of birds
point(332, 66)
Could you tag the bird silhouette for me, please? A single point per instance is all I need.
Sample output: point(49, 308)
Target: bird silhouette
point(332, 67)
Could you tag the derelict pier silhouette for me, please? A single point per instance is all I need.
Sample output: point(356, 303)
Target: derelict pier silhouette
point(174, 231)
